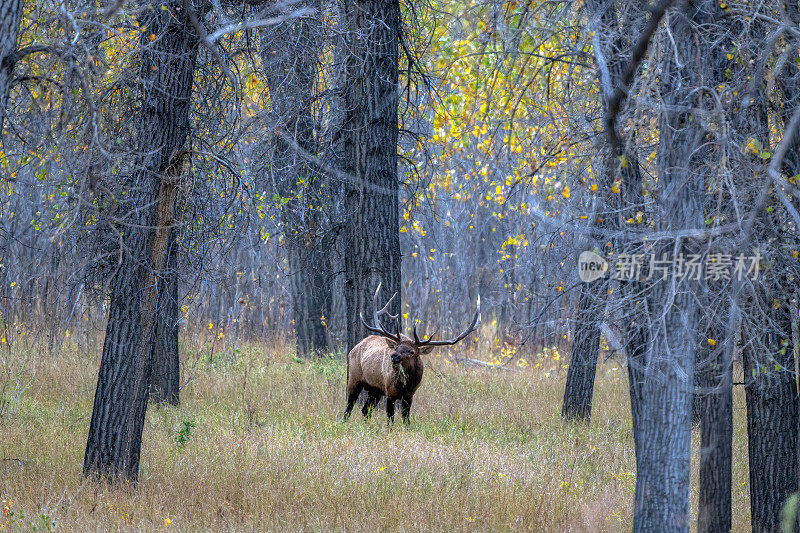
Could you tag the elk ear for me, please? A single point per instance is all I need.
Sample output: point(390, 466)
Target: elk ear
point(427, 349)
point(392, 344)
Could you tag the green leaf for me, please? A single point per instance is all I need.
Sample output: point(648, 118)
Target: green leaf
point(789, 513)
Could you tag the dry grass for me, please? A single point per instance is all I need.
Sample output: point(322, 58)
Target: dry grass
point(486, 451)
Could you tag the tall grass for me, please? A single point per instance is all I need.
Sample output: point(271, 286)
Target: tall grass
point(258, 444)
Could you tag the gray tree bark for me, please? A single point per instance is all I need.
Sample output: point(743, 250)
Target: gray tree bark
point(289, 56)
point(579, 388)
point(10, 17)
point(590, 305)
point(772, 411)
point(165, 375)
point(617, 57)
point(664, 425)
point(716, 415)
point(164, 89)
point(370, 126)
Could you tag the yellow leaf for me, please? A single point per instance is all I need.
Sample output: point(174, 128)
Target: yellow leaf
point(712, 342)
point(565, 192)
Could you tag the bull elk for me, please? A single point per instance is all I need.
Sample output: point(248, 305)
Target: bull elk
point(389, 364)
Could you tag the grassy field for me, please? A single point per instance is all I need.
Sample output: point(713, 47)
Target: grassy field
point(258, 444)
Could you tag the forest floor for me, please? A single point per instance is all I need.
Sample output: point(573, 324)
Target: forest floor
point(258, 444)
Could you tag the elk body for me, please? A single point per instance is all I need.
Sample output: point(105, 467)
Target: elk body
point(389, 364)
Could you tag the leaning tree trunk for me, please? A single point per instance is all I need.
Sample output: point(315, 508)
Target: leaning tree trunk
point(290, 55)
point(664, 432)
point(370, 157)
point(164, 89)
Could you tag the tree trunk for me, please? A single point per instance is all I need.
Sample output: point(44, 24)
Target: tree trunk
point(289, 55)
point(165, 376)
point(613, 54)
point(585, 347)
point(772, 410)
point(664, 425)
point(715, 397)
point(768, 358)
point(10, 17)
point(164, 88)
point(370, 148)
point(589, 308)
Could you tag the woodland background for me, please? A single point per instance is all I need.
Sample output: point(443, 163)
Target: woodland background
point(184, 180)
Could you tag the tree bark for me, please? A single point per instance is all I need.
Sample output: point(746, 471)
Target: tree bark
point(165, 374)
point(589, 308)
point(664, 425)
point(772, 410)
point(10, 17)
point(585, 347)
point(771, 391)
point(169, 49)
point(370, 126)
point(716, 416)
point(614, 56)
point(289, 55)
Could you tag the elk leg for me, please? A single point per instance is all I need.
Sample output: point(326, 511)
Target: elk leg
point(390, 409)
point(405, 409)
point(372, 400)
point(352, 396)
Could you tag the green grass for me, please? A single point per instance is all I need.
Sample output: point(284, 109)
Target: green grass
point(259, 445)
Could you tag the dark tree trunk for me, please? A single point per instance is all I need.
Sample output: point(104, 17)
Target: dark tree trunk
point(585, 346)
point(715, 395)
point(164, 90)
point(290, 57)
point(613, 55)
point(772, 410)
point(10, 17)
point(165, 376)
point(372, 238)
point(768, 357)
point(588, 314)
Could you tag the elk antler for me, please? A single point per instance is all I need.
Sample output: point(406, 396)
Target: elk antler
point(376, 314)
point(476, 321)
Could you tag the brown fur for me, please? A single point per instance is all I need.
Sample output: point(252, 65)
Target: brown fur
point(384, 368)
